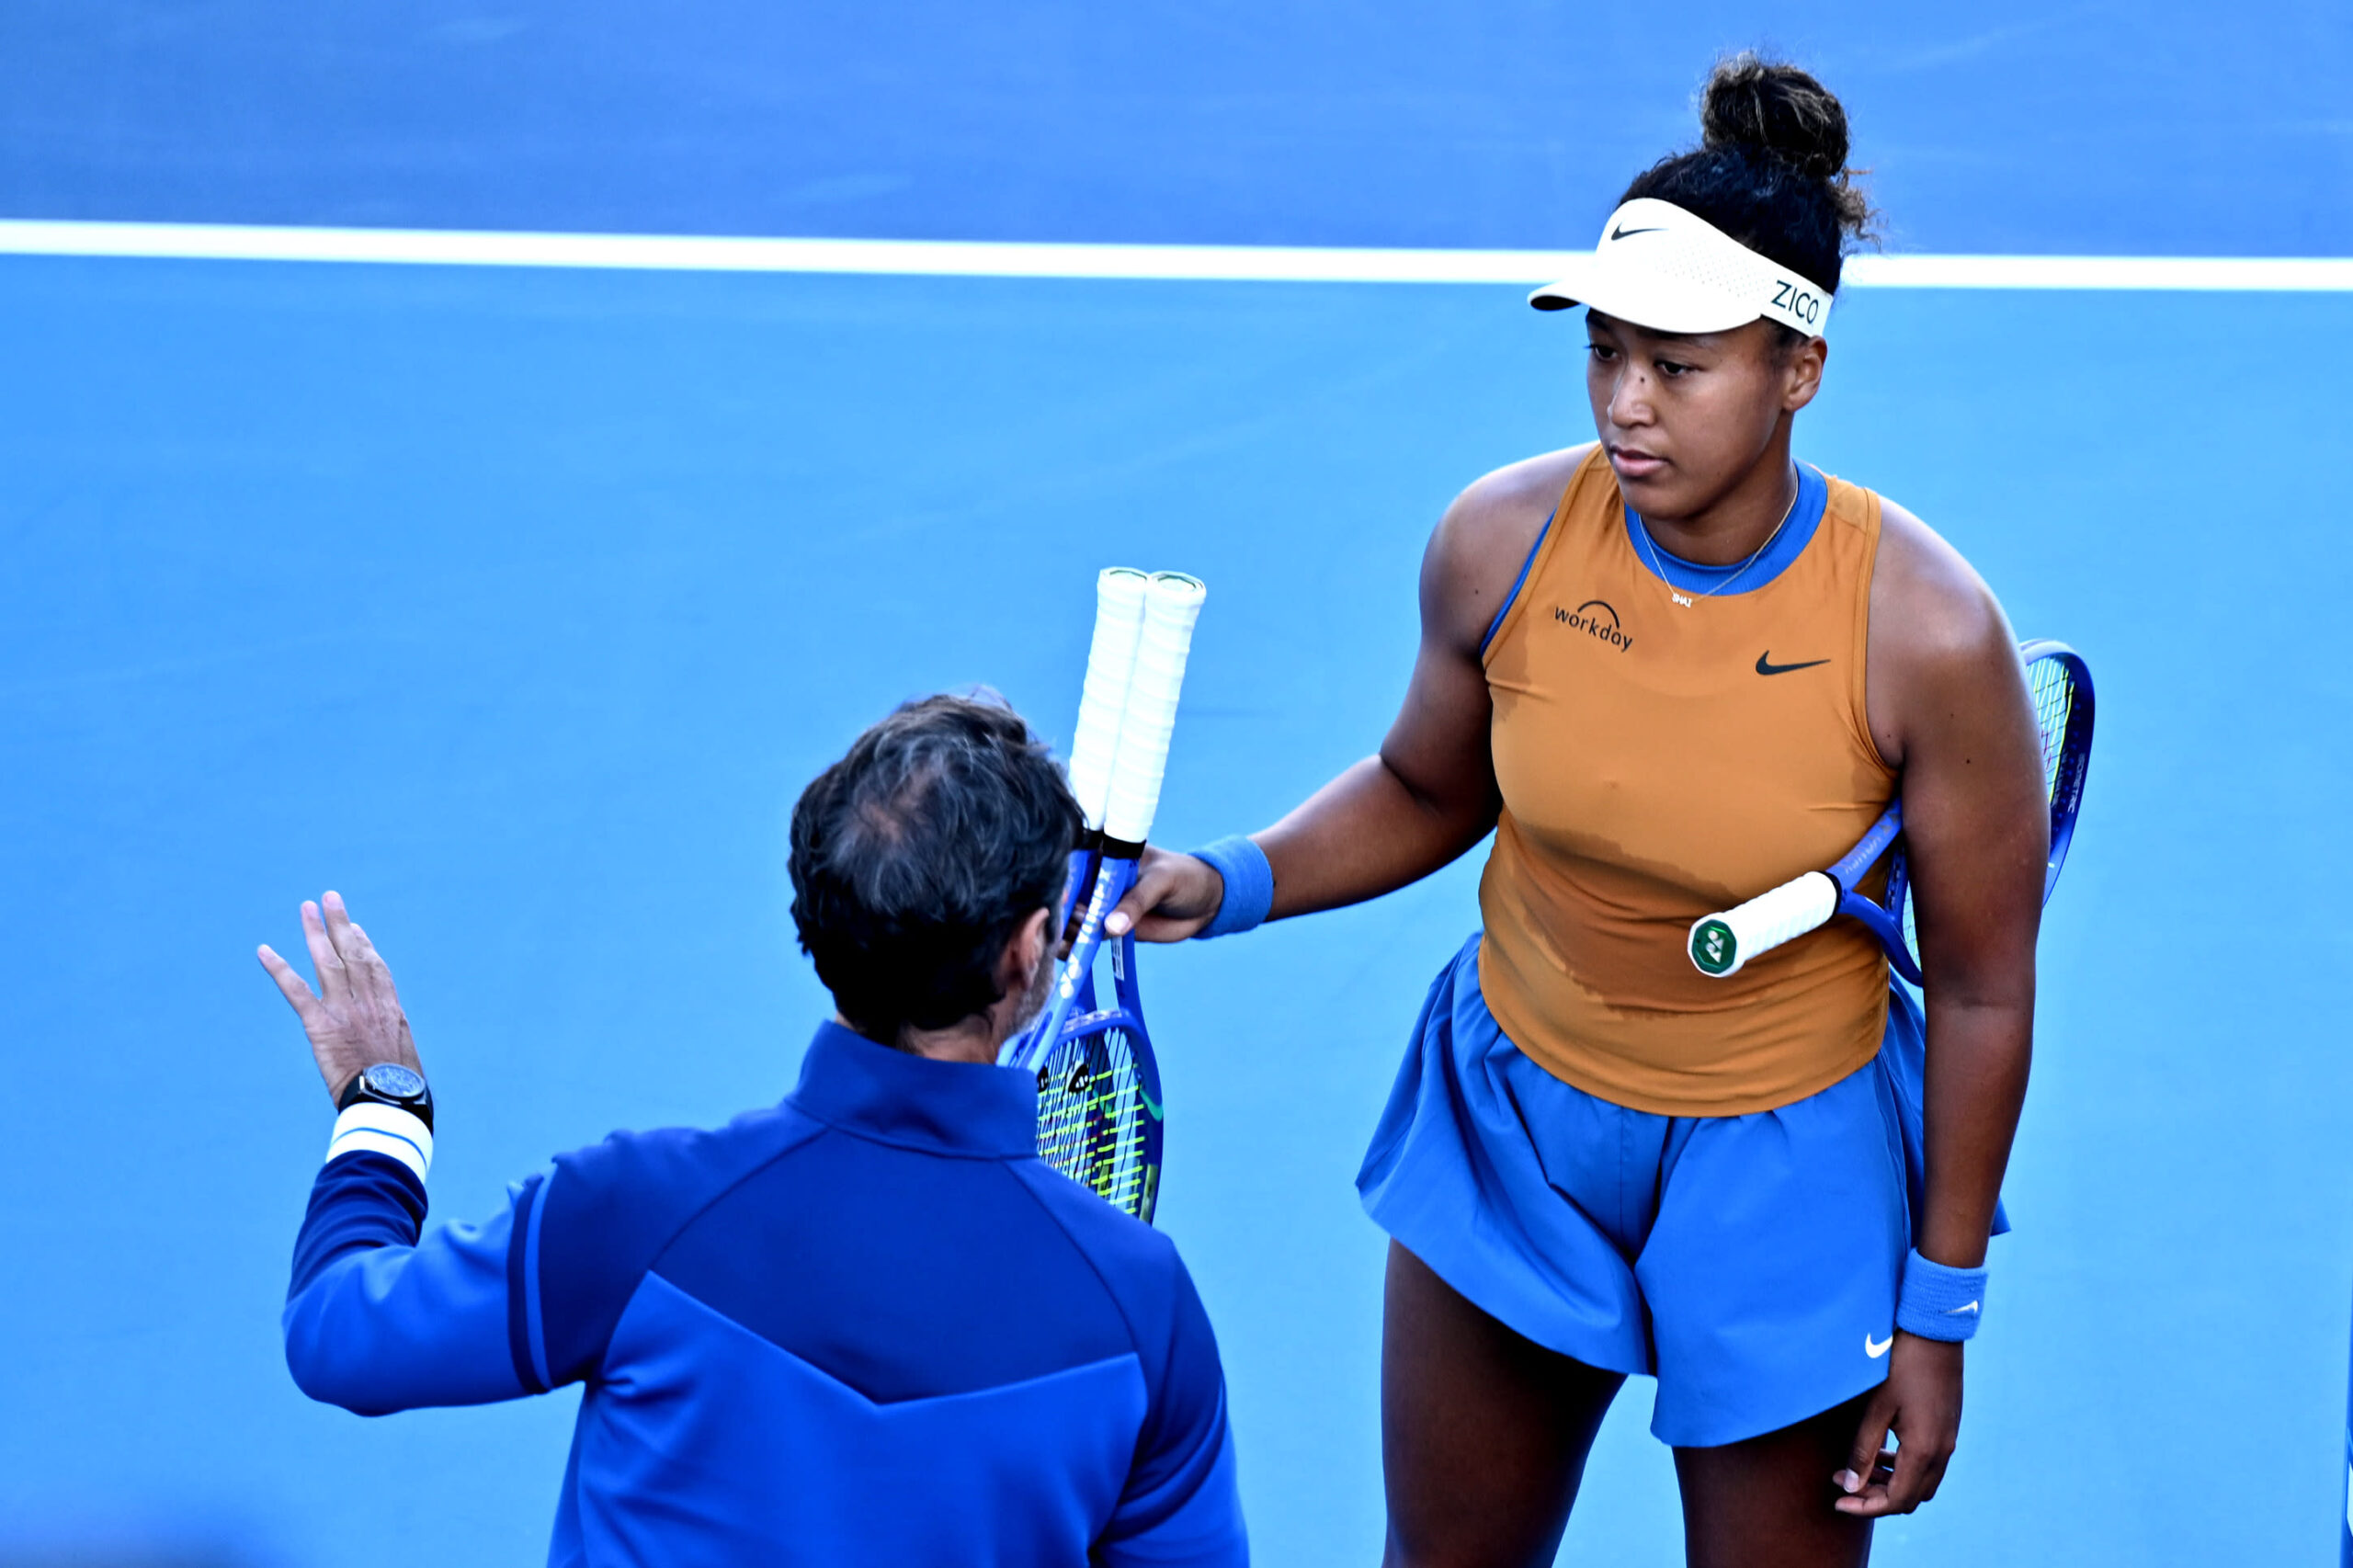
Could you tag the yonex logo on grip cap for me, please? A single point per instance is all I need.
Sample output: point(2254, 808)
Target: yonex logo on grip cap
point(1714, 947)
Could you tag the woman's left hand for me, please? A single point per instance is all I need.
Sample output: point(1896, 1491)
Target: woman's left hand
point(1920, 1406)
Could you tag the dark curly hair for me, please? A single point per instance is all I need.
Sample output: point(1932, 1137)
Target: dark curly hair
point(1770, 169)
point(918, 854)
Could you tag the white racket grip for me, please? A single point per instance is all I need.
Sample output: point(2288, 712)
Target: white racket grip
point(1721, 943)
point(1111, 661)
point(1171, 607)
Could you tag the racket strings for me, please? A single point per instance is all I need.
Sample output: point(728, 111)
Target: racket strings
point(1091, 1118)
point(2054, 687)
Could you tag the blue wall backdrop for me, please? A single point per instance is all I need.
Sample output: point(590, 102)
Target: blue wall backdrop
point(2117, 126)
point(518, 605)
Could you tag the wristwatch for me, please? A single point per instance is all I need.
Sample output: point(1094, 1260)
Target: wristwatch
point(389, 1083)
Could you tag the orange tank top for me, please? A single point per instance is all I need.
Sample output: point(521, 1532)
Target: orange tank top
point(1662, 755)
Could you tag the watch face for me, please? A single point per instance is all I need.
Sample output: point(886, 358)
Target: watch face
point(393, 1081)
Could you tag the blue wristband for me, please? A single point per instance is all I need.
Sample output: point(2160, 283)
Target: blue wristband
point(1939, 1302)
point(1249, 886)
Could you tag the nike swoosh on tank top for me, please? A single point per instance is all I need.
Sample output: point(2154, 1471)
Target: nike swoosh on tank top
point(1656, 765)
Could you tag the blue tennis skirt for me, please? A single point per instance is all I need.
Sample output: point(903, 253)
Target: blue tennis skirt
point(1750, 1262)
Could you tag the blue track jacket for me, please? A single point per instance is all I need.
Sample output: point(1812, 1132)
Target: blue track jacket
point(866, 1326)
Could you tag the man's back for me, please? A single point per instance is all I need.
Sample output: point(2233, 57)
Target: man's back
point(866, 1327)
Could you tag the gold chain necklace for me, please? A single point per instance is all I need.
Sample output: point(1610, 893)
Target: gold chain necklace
point(1642, 531)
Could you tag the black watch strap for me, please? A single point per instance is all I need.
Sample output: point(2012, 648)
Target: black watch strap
point(389, 1084)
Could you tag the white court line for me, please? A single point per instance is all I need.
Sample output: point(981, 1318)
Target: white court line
point(986, 258)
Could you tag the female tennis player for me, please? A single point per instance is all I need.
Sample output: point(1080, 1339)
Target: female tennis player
point(1672, 669)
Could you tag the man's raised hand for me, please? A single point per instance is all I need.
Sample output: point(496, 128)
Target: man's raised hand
point(354, 1019)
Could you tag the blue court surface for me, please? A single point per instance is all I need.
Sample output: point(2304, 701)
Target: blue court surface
point(517, 604)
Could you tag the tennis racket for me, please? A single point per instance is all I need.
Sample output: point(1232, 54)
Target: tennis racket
point(1099, 1112)
point(2061, 685)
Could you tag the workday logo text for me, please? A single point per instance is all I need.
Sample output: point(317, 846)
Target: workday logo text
point(1596, 618)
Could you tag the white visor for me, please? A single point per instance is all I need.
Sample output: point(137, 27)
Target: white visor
point(1657, 265)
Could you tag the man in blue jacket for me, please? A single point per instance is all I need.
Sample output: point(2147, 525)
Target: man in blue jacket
point(865, 1327)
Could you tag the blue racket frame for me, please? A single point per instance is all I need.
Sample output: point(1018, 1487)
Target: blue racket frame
point(1101, 881)
point(1890, 921)
point(1073, 1014)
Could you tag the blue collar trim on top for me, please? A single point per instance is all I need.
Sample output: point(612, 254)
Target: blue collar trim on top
point(1692, 577)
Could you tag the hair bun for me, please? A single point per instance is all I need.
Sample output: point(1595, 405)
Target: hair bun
point(1777, 110)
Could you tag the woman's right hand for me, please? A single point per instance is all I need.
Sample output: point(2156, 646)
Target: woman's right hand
point(1431, 793)
point(1174, 897)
